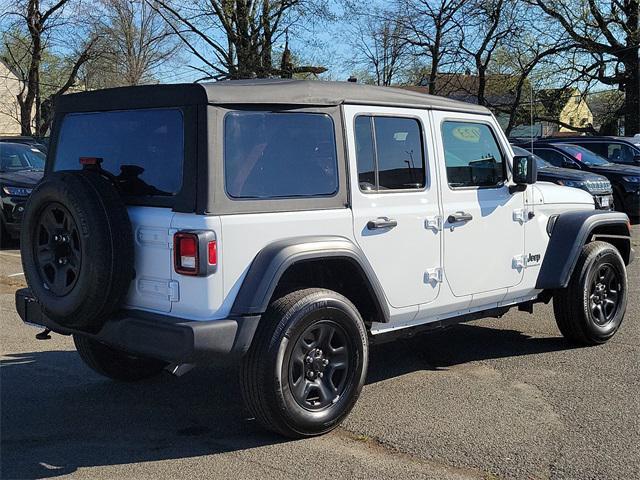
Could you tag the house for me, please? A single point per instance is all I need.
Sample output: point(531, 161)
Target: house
point(10, 87)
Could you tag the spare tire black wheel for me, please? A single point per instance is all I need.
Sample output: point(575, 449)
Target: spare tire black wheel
point(77, 248)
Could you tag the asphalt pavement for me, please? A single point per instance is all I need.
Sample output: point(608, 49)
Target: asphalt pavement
point(498, 398)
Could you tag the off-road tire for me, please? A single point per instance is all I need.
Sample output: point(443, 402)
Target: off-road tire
point(116, 364)
point(572, 306)
point(265, 371)
point(100, 245)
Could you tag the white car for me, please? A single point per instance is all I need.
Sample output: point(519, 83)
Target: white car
point(290, 224)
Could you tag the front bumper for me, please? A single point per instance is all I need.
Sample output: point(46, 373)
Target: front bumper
point(603, 201)
point(152, 335)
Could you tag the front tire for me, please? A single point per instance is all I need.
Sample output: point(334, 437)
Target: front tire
point(307, 364)
point(590, 310)
point(115, 364)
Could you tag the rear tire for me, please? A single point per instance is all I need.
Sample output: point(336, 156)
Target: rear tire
point(590, 310)
point(116, 364)
point(307, 364)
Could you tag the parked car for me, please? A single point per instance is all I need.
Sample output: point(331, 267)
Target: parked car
point(596, 185)
point(614, 149)
point(41, 143)
point(21, 168)
point(292, 223)
point(625, 179)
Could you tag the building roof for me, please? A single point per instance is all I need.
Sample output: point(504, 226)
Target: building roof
point(261, 91)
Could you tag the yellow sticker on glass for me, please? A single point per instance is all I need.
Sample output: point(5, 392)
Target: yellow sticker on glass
point(467, 134)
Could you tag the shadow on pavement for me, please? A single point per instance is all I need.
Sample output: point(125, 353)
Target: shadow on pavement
point(57, 416)
point(457, 345)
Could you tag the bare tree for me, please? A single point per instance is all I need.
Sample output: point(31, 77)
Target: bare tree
point(250, 30)
point(136, 41)
point(431, 28)
point(609, 32)
point(379, 43)
point(33, 25)
point(484, 26)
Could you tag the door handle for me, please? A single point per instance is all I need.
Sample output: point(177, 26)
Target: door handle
point(381, 222)
point(459, 217)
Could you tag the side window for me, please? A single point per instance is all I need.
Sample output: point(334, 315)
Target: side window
point(389, 153)
point(595, 147)
point(619, 153)
point(472, 155)
point(279, 155)
point(554, 158)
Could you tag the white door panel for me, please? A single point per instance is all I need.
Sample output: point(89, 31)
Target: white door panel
point(480, 252)
point(152, 288)
point(405, 257)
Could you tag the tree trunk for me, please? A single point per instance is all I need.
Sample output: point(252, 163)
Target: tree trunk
point(632, 93)
point(482, 82)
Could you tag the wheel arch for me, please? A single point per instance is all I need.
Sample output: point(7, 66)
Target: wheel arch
point(570, 232)
point(328, 262)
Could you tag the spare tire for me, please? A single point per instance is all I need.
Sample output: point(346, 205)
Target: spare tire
point(77, 248)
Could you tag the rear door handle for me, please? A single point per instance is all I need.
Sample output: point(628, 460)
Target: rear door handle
point(459, 217)
point(381, 222)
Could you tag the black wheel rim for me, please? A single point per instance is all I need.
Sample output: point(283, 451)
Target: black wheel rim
point(57, 249)
point(604, 294)
point(320, 365)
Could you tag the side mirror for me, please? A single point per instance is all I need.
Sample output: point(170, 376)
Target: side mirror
point(525, 170)
point(636, 159)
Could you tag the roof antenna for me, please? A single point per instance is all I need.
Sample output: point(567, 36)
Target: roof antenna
point(352, 79)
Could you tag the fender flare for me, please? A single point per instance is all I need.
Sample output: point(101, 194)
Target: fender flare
point(273, 260)
point(571, 231)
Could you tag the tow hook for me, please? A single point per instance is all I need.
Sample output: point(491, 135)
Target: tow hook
point(44, 335)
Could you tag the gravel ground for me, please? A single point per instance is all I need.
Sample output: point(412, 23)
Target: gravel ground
point(489, 399)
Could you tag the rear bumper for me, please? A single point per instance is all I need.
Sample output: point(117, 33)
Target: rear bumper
point(157, 336)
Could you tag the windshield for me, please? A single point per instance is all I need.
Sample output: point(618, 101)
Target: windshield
point(15, 157)
point(582, 155)
point(540, 163)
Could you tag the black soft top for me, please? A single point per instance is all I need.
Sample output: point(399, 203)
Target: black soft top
point(260, 91)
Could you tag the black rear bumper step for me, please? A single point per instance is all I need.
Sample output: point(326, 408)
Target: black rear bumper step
point(157, 336)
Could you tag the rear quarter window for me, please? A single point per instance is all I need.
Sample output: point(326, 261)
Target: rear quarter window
point(279, 155)
point(142, 149)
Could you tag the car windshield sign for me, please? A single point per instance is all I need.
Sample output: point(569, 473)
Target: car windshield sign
point(583, 155)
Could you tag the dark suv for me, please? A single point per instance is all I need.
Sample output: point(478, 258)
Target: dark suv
point(597, 185)
point(616, 150)
point(21, 168)
point(625, 179)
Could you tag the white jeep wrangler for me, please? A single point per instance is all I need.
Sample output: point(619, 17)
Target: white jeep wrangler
point(291, 223)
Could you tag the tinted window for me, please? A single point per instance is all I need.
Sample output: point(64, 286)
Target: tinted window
point(620, 153)
point(365, 155)
point(397, 161)
point(582, 155)
point(472, 155)
point(554, 158)
point(143, 149)
point(271, 155)
point(20, 157)
point(522, 152)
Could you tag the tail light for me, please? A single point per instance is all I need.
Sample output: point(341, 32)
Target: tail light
point(195, 253)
